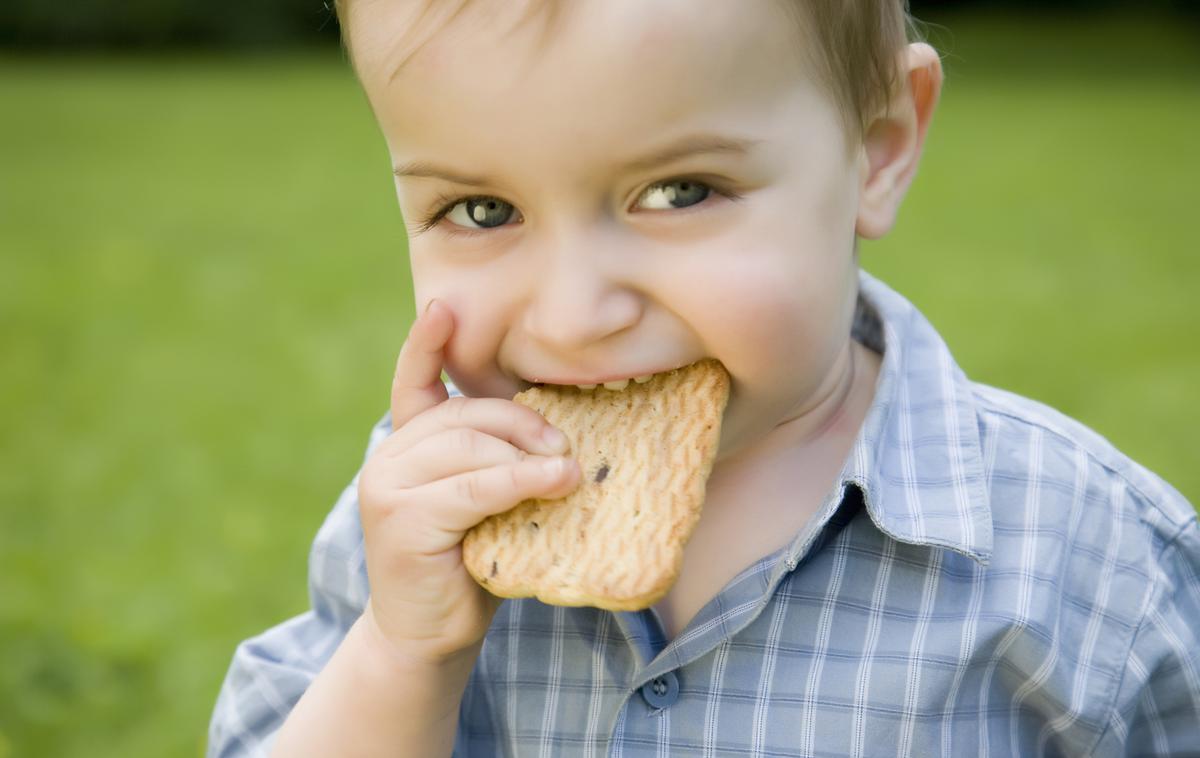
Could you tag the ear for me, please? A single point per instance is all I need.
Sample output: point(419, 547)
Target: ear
point(892, 142)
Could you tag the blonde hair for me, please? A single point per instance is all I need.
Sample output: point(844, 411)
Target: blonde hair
point(855, 47)
point(859, 45)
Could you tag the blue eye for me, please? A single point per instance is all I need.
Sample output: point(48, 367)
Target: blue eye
point(678, 193)
point(470, 215)
point(487, 212)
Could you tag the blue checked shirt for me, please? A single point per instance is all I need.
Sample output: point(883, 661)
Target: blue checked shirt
point(988, 577)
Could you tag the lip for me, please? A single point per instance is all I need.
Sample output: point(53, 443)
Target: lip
point(599, 379)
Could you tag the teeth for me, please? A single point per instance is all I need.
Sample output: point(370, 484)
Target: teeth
point(618, 385)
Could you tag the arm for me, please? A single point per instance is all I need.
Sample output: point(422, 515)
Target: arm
point(270, 672)
point(1158, 700)
point(368, 701)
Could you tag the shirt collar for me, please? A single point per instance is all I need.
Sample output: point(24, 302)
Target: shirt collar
point(917, 458)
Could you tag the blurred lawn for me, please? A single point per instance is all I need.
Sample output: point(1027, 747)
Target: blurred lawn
point(203, 286)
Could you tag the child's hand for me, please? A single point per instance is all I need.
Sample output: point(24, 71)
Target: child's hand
point(449, 464)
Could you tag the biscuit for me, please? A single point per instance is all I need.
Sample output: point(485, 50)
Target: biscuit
point(616, 542)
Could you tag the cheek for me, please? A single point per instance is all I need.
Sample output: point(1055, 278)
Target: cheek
point(479, 323)
point(777, 317)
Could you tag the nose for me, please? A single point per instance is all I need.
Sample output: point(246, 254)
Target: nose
point(576, 301)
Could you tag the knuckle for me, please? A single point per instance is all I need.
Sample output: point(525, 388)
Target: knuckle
point(370, 504)
point(456, 409)
point(467, 441)
point(378, 494)
point(517, 478)
point(469, 488)
point(393, 446)
point(366, 484)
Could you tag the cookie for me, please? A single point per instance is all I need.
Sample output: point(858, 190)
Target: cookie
point(617, 541)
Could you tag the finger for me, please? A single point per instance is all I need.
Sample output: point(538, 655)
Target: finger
point(450, 452)
point(417, 383)
point(514, 423)
point(459, 502)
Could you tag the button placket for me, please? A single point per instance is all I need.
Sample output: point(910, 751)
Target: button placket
point(662, 691)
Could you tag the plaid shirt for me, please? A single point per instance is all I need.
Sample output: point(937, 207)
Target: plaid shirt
point(987, 577)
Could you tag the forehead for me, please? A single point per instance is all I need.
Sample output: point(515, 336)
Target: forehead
point(598, 71)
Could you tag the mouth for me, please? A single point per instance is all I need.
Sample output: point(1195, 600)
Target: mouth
point(591, 384)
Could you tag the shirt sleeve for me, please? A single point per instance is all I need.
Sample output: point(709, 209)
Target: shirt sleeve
point(1158, 700)
point(270, 672)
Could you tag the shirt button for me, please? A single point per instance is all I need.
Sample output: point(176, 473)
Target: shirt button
point(661, 692)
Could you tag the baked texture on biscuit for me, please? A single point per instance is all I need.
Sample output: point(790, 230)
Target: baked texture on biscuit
point(617, 541)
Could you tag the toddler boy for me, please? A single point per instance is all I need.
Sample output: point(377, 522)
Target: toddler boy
point(891, 560)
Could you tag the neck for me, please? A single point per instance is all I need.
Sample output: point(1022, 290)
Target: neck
point(823, 433)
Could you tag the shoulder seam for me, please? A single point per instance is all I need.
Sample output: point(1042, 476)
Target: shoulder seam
point(1046, 425)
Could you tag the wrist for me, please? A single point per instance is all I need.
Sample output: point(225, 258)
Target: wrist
point(381, 653)
point(380, 699)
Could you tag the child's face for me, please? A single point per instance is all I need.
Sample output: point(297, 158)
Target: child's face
point(582, 269)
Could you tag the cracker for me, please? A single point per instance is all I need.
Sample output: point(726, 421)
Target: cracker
point(617, 541)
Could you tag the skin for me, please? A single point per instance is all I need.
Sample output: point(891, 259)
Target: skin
point(580, 273)
point(593, 277)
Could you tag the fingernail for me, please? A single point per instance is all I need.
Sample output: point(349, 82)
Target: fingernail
point(554, 466)
point(555, 440)
point(429, 305)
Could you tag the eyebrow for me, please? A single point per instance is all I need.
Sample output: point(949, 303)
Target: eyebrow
point(696, 144)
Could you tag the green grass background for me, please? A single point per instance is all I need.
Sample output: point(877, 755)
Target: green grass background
point(203, 285)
